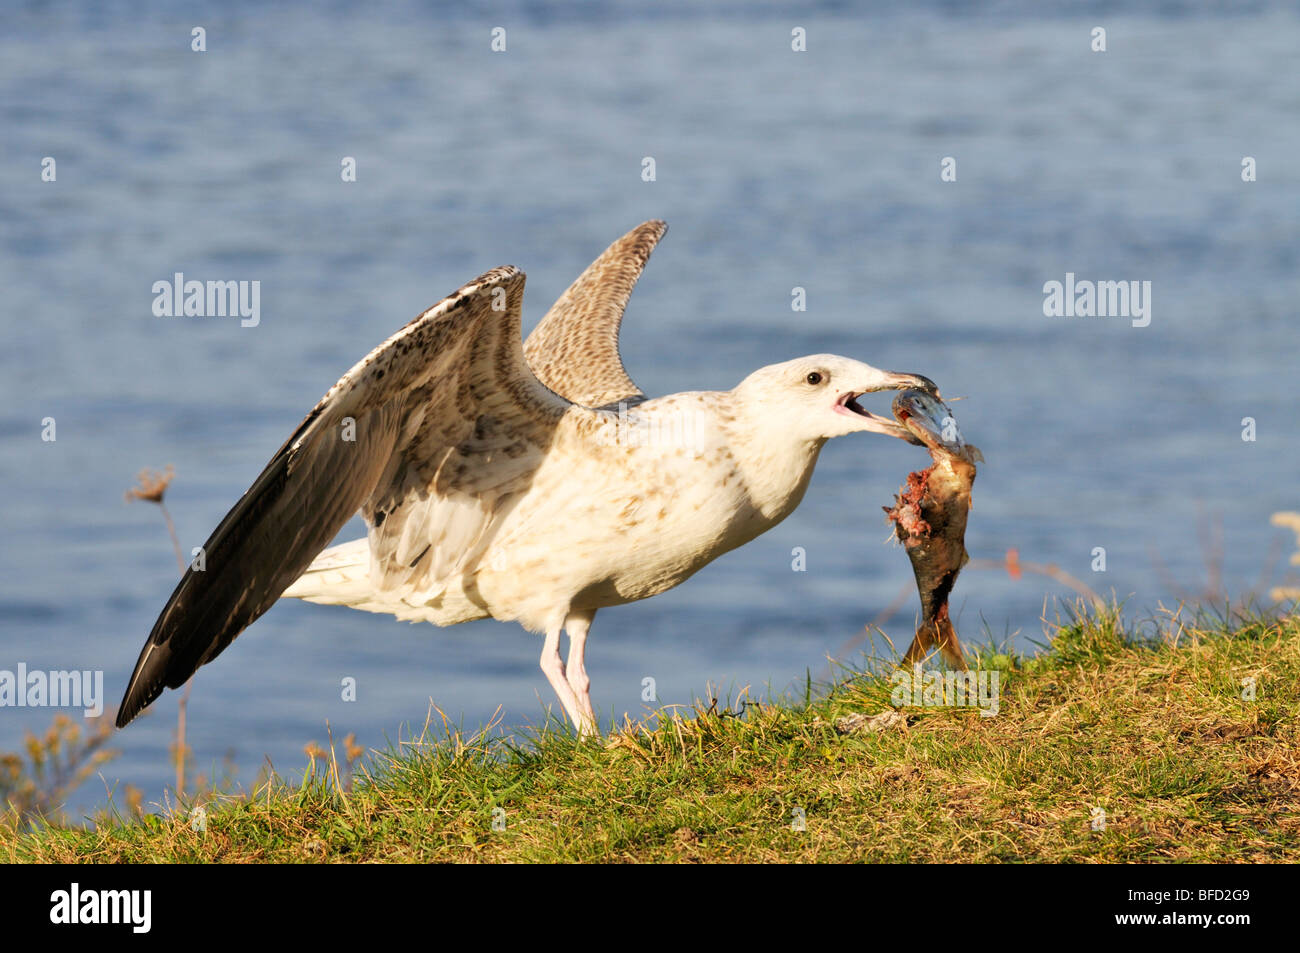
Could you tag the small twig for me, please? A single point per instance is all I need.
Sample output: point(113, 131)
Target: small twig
point(1209, 532)
point(880, 619)
point(1012, 564)
point(153, 487)
point(171, 531)
point(182, 708)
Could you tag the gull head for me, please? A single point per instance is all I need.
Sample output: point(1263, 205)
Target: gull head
point(815, 398)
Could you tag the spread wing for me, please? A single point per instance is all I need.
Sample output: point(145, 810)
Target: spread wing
point(574, 350)
point(430, 435)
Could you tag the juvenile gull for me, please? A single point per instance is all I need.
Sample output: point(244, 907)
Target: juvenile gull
point(488, 494)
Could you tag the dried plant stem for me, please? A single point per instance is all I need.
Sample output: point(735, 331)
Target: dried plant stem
point(152, 488)
point(1014, 566)
point(180, 739)
point(171, 531)
point(183, 704)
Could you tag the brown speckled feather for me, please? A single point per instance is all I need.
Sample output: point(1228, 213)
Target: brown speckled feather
point(445, 410)
point(574, 350)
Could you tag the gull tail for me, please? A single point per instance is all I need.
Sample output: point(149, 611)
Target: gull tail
point(340, 576)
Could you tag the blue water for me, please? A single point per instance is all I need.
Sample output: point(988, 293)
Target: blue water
point(775, 169)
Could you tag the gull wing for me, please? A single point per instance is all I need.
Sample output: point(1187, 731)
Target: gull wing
point(445, 413)
point(574, 349)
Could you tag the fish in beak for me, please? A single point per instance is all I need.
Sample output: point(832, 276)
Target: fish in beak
point(847, 402)
point(929, 517)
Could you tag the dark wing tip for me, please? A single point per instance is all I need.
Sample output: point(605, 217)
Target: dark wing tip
point(135, 701)
point(144, 687)
point(152, 674)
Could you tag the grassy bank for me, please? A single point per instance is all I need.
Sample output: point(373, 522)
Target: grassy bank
point(1149, 727)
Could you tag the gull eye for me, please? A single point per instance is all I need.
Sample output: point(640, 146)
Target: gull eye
point(814, 378)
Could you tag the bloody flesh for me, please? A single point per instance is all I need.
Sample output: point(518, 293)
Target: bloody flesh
point(929, 517)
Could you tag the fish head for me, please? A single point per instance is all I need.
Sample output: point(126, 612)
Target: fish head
point(929, 422)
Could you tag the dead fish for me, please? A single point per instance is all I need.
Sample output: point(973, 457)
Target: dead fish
point(929, 517)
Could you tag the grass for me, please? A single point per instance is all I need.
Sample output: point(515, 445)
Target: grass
point(1147, 724)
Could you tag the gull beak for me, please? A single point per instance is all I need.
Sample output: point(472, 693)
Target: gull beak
point(884, 381)
point(893, 380)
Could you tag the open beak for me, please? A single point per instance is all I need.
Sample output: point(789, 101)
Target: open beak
point(897, 381)
point(888, 380)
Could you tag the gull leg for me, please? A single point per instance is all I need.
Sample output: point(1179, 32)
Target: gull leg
point(577, 625)
point(553, 667)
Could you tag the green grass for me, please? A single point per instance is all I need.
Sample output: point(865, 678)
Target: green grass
point(1149, 726)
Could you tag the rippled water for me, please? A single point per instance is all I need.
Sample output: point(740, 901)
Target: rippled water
point(775, 169)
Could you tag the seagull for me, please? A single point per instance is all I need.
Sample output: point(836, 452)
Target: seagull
point(532, 482)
